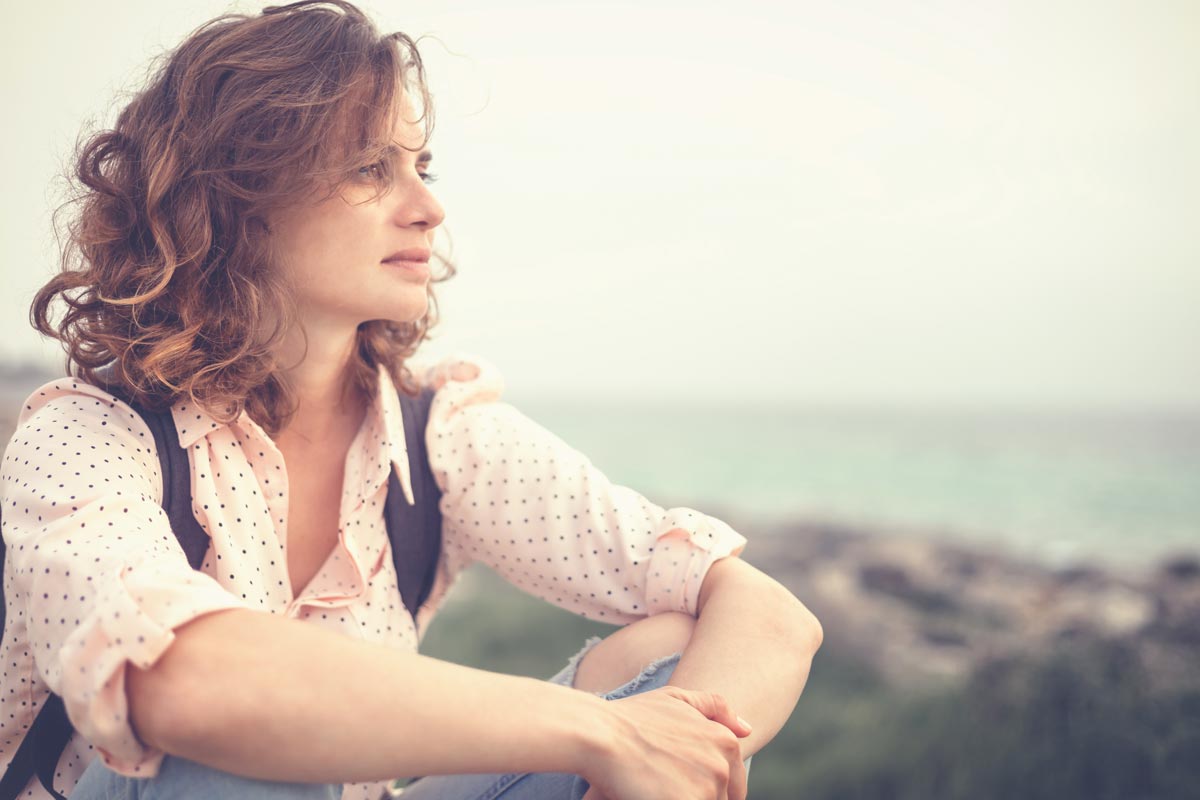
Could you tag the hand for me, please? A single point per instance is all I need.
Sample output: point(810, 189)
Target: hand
point(460, 371)
point(670, 744)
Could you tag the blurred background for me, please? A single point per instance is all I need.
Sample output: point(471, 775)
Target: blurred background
point(907, 292)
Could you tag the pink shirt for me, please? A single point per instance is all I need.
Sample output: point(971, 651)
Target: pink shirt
point(94, 577)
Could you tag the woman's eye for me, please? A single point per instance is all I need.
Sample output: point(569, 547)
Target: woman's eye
point(377, 170)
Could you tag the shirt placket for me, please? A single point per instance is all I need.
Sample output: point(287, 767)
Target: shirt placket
point(342, 579)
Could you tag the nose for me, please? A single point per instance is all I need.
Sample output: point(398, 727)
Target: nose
point(416, 205)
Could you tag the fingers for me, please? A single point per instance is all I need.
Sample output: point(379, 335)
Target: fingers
point(461, 371)
point(735, 778)
point(716, 708)
point(738, 779)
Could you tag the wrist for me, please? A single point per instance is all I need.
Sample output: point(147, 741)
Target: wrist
point(593, 736)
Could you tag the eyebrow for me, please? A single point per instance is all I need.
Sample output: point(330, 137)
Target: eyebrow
point(424, 157)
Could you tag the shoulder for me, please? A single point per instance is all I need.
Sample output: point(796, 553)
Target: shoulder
point(69, 416)
point(72, 397)
point(77, 398)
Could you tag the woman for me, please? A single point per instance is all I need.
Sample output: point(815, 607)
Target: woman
point(253, 253)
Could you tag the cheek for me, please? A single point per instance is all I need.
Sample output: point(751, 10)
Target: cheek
point(328, 243)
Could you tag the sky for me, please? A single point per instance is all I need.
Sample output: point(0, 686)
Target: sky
point(931, 204)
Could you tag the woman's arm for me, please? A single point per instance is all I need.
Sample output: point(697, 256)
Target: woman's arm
point(519, 499)
point(753, 644)
point(273, 698)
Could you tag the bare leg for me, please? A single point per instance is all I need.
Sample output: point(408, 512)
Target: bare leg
point(619, 658)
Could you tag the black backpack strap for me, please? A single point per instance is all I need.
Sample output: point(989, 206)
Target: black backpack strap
point(39, 752)
point(176, 478)
point(43, 745)
point(177, 485)
point(415, 531)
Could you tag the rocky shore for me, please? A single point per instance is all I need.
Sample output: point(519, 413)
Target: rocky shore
point(923, 610)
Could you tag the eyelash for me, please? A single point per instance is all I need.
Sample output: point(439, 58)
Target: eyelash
point(427, 177)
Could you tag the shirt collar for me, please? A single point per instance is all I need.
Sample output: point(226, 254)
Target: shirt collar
point(387, 402)
point(193, 423)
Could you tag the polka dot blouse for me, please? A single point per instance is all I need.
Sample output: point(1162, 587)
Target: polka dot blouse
point(95, 579)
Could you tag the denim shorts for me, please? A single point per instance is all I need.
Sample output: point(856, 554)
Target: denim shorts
point(180, 779)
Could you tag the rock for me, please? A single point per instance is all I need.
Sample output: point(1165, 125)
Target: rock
point(1079, 574)
point(884, 578)
point(1181, 568)
point(944, 637)
point(1122, 611)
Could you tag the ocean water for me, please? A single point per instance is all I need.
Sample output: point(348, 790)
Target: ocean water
point(1113, 489)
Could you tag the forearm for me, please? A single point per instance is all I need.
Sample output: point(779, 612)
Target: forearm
point(276, 699)
point(754, 648)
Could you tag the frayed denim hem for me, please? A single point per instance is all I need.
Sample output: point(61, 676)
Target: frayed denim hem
point(645, 676)
point(566, 676)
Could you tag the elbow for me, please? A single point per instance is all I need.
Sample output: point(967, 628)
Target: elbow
point(807, 630)
point(157, 710)
point(817, 634)
point(170, 702)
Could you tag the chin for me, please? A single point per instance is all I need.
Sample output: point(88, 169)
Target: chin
point(403, 314)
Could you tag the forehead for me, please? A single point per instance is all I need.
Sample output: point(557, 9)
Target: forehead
point(407, 130)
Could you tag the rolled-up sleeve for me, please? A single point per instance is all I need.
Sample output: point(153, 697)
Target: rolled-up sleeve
point(96, 569)
point(519, 499)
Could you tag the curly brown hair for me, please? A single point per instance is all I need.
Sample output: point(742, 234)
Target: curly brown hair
point(169, 247)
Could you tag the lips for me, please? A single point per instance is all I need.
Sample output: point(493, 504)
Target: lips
point(413, 254)
point(412, 264)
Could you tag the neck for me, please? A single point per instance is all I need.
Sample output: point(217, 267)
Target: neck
point(329, 403)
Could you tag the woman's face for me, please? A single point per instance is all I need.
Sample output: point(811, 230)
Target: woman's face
point(336, 250)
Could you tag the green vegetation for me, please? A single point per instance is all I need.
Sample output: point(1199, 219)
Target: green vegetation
point(499, 628)
point(1084, 721)
point(1080, 722)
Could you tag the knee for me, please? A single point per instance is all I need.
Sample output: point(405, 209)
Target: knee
point(650, 638)
point(624, 653)
point(669, 631)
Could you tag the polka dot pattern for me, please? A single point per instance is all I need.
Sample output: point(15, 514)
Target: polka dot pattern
point(519, 499)
point(95, 579)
